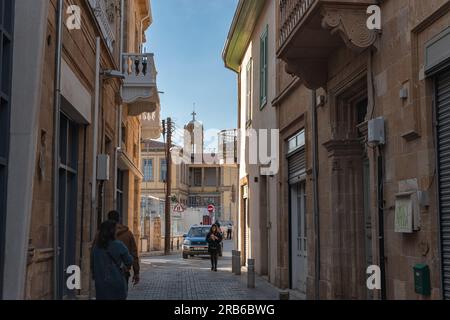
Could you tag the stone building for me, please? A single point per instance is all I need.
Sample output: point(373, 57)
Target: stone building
point(195, 185)
point(349, 196)
point(77, 109)
point(250, 52)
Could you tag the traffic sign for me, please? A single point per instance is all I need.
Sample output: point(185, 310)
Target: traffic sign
point(178, 208)
point(211, 208)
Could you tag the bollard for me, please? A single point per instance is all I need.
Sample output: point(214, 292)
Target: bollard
point(233, 261)
point(284, 295)
point(238, 263)
point(250, 273)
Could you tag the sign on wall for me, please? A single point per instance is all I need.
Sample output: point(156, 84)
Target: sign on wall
point(403, 215)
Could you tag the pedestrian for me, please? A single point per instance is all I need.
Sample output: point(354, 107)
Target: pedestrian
point(229, 231)
point(125, 235)
point(214, 239)
point(110, 262)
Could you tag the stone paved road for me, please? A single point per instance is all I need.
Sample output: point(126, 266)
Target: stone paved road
point(173, 278)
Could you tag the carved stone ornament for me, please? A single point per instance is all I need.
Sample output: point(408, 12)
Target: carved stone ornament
point(111, 8)
point(351, 24)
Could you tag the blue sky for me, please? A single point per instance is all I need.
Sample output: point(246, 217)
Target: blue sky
point(187, 37)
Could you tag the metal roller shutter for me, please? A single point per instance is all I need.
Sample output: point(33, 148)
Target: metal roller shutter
point(297, 166)
point(443, 134)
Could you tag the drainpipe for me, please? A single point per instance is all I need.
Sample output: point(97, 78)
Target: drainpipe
point(119, 110)
point(93, 224)
point(83, 193)
point(95, 138)
point(316, 193)
point(141, 45)
point(381, 222)
point(56, 120)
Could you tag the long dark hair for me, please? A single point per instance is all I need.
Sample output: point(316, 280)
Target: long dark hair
point(212, 227)
point(107, 233)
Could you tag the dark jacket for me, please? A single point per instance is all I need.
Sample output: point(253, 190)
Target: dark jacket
point(108, 265)
point(214, 245)
point(124, 234)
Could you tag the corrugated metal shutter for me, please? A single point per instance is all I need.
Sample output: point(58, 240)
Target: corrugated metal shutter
point(443, 133)
point(297, 166)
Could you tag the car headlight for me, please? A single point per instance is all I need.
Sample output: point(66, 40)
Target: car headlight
point(187, 242)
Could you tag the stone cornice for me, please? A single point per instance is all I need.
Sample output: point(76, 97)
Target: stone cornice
point(340, 148)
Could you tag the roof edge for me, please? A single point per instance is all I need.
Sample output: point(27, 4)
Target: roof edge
point(241, 30)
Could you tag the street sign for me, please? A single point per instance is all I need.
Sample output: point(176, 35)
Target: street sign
point(178, 208)
point(211, 208)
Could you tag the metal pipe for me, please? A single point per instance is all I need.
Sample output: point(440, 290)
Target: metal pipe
point(56, 120)
point(381, 223)
point(119, 110)
point(83, 193)
point(93, 224)
point(436, 182)
point(95, 138)
point(316, 192)
point(141, 44)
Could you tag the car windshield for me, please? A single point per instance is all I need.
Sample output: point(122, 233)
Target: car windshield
point(198, 232)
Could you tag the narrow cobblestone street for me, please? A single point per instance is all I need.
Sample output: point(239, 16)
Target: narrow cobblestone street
point(173, 278)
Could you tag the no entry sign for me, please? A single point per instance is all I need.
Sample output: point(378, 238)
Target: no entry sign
point(211, 208)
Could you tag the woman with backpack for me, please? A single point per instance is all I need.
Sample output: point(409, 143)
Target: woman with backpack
point(214, 238)
point(111, 260)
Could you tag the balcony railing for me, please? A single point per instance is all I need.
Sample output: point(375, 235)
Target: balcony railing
point(291, 13)
point(139, 69)
point(139, 89)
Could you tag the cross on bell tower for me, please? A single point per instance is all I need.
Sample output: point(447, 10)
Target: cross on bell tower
point(193, 113)
point(193, 140)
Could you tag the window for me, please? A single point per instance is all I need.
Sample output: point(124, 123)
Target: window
point(163, 170)
point(296, 142)
point(6, 48)
point(249, 89)
point(197, 177)
point(67, 199)
point(148, 170)
point(211, 177)
point(263, 68)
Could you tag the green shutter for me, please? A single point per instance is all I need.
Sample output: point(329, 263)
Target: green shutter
point(263, 68)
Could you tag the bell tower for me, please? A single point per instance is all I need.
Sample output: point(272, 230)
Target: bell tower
point(193, 137)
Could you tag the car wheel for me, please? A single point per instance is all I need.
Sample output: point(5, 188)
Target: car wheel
point(185, 256)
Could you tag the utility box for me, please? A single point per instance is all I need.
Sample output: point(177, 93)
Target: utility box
point(103, 167)
point(422, 283)
point(376, 132)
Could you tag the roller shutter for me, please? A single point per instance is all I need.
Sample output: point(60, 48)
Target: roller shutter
point(443, 135)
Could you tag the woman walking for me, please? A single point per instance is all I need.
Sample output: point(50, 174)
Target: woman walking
point(110, 262)
point(214, 239)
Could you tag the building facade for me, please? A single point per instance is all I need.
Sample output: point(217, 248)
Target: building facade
point(194, 185)
point(251, 53)
point(75, 150)
point(349, 199)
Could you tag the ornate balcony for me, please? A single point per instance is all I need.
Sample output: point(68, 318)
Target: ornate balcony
point(151, 125)
point(105, 12)
point(139, 89)
point(140, 92)
point(311, 30)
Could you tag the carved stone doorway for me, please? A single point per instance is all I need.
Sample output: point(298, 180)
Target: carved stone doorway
point(350, 192)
